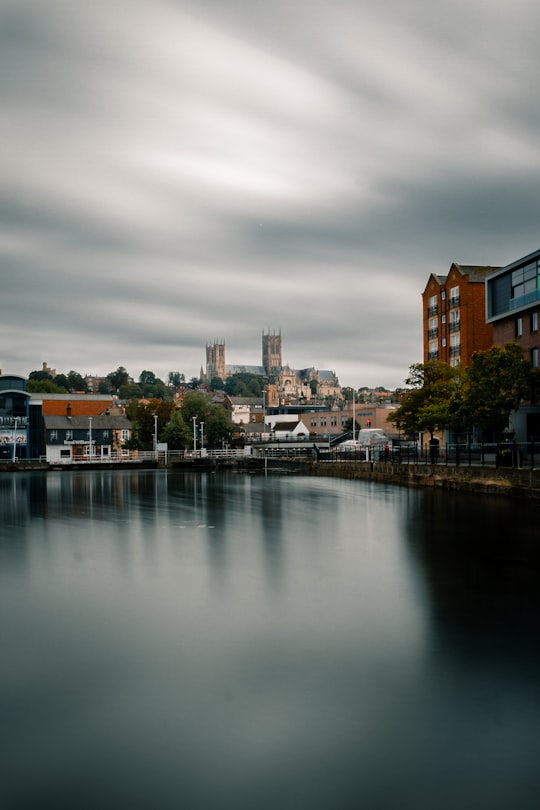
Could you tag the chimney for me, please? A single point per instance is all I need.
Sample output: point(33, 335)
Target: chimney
point(68, 409)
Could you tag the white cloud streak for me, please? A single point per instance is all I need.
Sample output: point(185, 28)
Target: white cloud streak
point(174, 171)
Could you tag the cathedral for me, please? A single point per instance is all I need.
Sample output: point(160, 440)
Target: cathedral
point(287, 383)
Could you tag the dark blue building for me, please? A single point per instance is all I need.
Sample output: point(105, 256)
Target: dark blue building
point(14, 418)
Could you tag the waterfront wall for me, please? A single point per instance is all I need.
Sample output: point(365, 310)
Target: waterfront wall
point(493, 480)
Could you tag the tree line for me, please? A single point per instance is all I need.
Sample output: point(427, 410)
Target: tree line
point(476, 401)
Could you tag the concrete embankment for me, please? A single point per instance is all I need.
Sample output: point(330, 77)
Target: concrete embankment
point(524, 483)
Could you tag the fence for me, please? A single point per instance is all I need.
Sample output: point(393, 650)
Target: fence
point(493, 454)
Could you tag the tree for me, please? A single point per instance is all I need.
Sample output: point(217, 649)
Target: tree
point(497, 380)
point(244, 384)
point(118, 378)
point(175, 379)
point(147, 378)
point(143, 415)
point(76, 382)
point(40, 375)
point(194, 383)
point(218, 427)
point(176, 433)
point(44, 387)
point(216, 384)
point(427, 405)
point(130, 391)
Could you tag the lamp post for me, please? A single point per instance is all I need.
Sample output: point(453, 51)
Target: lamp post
point(353, 413)
point(194, 418)
point(202, 436)
point(90, 438)
point(15, 423)
point(264, 412)
point(155, 434)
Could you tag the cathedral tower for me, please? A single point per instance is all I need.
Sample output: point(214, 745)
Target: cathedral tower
point(271, 352)
point(215, 361)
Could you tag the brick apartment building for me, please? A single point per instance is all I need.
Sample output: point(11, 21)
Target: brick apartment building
point(454, 315)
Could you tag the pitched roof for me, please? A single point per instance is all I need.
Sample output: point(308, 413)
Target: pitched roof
point(103, 421)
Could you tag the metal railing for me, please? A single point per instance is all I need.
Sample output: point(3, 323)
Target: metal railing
point(483, 454)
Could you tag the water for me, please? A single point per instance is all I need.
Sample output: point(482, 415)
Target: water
point(238, 641)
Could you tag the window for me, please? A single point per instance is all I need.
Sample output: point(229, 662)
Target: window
point(443, 318)
point(443, 295)
point(125, 435)
point(105, 434)
point(534, 358)
point(519, 327)
point(333, 421)
point(444, 342)
point(534, 321)
point(69, 435)
point(323, 421)
point(313, 422)
point(53, 435)
point(454, 296)
point(524, 280)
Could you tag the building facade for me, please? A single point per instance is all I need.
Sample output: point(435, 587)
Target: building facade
point(453, 313)
point(14, 418)
point(513, 311)
point(513, 305)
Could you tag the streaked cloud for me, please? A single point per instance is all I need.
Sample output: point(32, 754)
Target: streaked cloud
point(176, 171)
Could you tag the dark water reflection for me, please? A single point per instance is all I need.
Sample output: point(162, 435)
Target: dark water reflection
point(229, 641)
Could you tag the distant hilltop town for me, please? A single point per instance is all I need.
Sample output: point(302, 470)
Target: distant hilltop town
point(283, 381)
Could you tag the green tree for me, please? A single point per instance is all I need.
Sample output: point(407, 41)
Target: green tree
point(175, 379)
point(427, 405)
point(176, 433)
point(143, 414)
point(147, 378)
point(497, 381)
point(217, 423)
point(244, 384)
point(217, 384)
point(118, 378)
point(76, 382)
point(130, 391)
point(44, 387)
point(40, 375)
point(105, 386)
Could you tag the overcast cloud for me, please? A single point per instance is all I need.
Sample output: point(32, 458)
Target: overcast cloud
point(178, 171)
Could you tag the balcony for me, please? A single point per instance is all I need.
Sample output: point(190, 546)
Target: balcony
point(523, 300)
point(454, 301)
point(433, 355)
point(433, 310)
point(455, 351)
point(432, 333)
point(454, 326)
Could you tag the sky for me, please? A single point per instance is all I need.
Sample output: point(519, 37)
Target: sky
point(179, 171)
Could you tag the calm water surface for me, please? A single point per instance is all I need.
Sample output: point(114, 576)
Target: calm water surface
point(173, 640)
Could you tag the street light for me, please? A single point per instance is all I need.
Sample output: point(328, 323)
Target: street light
point(15, 423)
point(194, 418)
point(353, 413)
point(202, 436)
point(155, 434)
point(90, 437)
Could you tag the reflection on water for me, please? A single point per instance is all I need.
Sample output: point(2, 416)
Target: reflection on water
point(236, 641)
